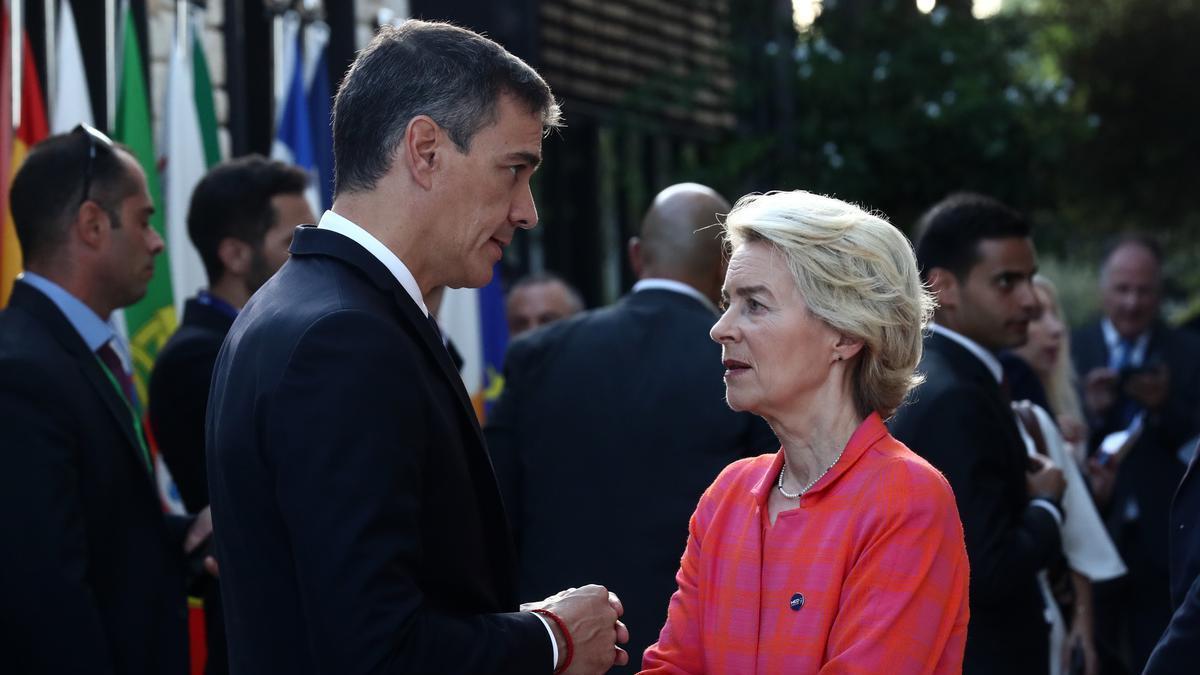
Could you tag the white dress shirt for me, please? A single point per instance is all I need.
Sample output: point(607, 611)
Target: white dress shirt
point(343, 226)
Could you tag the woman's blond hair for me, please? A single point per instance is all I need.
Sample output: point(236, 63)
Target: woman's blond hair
point(857, 273)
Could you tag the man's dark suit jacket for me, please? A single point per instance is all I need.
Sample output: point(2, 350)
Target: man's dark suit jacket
point(179, 397)
point(359, 526)
point(1178, 651)
point(960, 421)
point(1147, 476)
point(611, 425)
point(178, 402)
point(92, 577)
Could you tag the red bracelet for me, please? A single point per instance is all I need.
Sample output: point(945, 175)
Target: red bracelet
point(562, 626)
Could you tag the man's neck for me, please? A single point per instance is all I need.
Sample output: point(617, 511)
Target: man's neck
point(391, 226)
point(232, 291)
point(77, 286)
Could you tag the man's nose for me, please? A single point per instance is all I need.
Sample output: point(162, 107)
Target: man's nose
point(524, 211)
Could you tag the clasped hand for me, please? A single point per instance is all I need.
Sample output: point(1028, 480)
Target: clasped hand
point(591, 615)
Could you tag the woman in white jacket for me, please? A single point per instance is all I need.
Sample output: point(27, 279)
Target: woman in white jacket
point(1060, 434)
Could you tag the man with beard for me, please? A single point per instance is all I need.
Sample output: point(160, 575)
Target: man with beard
point(240, 220)
point(978, 259)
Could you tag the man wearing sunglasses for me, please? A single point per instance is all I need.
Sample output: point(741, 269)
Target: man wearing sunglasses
point(92, 579)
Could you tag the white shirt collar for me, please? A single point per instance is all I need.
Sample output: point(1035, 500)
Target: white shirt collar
point(343, 226)
point(1112, 339)
point(989, 359)
point(673, 286)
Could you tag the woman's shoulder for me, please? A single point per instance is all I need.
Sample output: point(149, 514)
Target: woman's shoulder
point(911, 478)
point(743, 474)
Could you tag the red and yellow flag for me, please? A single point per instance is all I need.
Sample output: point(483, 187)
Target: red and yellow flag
point(33, 129)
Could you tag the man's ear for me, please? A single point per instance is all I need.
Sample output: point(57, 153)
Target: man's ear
point(944, 286)
point(236, 256)
point(92, 224)
point(634, 250)
point(422, 143)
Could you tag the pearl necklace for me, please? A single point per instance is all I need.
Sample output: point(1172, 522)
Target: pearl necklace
point(806, 488)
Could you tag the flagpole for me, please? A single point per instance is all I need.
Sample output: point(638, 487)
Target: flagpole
point(277, 9)
point(51, 54)
point(15, 21)
point(110, 62)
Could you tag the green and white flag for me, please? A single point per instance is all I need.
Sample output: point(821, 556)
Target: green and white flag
point(186, 145)
point(152, 319)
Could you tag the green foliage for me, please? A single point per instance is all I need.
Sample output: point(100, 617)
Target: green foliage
point(1083, 113)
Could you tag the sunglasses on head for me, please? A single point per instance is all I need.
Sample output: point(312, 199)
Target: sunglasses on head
point(95, 139)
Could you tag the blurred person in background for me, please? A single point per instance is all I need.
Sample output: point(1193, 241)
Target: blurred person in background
point(240, 220)
point(1140, 379)
point(977, 257)
point(842, 551)
point(628, 395)
point(539, 299)
point(1057, 433)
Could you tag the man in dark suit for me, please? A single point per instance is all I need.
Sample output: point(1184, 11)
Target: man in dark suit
point(976, 255)
point(628, 395)
point(241, 219)
point(1139, 376)
point(92, 578)
point(1178, 650)
point(360, 525)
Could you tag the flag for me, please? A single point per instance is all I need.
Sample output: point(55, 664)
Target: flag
point(6, 126)
point(70, 103)
point(293, 132)
point(473, 318)
point(184, 162)
point(151, 320)
point(206, 110)
point(316, 93)
point(33, 129)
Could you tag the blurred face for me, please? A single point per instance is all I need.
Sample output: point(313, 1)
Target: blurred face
point(486, 196)
point(132, 244)
point(776, 354)
point(291, 211)
point(536, 305)
point(994, 304)
point(1129, 289)
point(1046, 334)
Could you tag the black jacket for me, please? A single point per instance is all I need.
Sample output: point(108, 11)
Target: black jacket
point(611, 425)
point(960, 421)
point(179, 397)
point(92, 575)
point(1178, 651)
point(359, 527)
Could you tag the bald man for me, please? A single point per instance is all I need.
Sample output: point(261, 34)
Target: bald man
point(618, 415)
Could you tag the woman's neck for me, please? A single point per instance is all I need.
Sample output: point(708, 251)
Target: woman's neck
point(814, 433)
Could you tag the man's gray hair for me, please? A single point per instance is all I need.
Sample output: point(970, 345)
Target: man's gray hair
point(451, 74)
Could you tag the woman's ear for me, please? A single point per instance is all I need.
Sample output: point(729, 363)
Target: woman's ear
point(847, 346)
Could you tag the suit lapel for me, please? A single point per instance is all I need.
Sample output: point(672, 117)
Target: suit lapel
point(311, 240)
point(40, 306)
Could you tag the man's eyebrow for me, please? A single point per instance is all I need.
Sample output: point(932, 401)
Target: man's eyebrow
point(532, 159)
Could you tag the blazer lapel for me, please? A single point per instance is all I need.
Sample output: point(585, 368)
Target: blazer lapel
point(40, 306)
point(312, 240)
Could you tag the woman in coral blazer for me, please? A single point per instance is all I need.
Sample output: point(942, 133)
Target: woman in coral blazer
point(843, 552)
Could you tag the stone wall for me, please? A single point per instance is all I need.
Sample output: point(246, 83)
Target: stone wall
point(160, 17)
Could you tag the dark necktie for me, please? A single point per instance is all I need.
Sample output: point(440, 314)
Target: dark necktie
point(109, 356)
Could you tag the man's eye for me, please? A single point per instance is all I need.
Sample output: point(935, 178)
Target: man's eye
point(754, 305)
